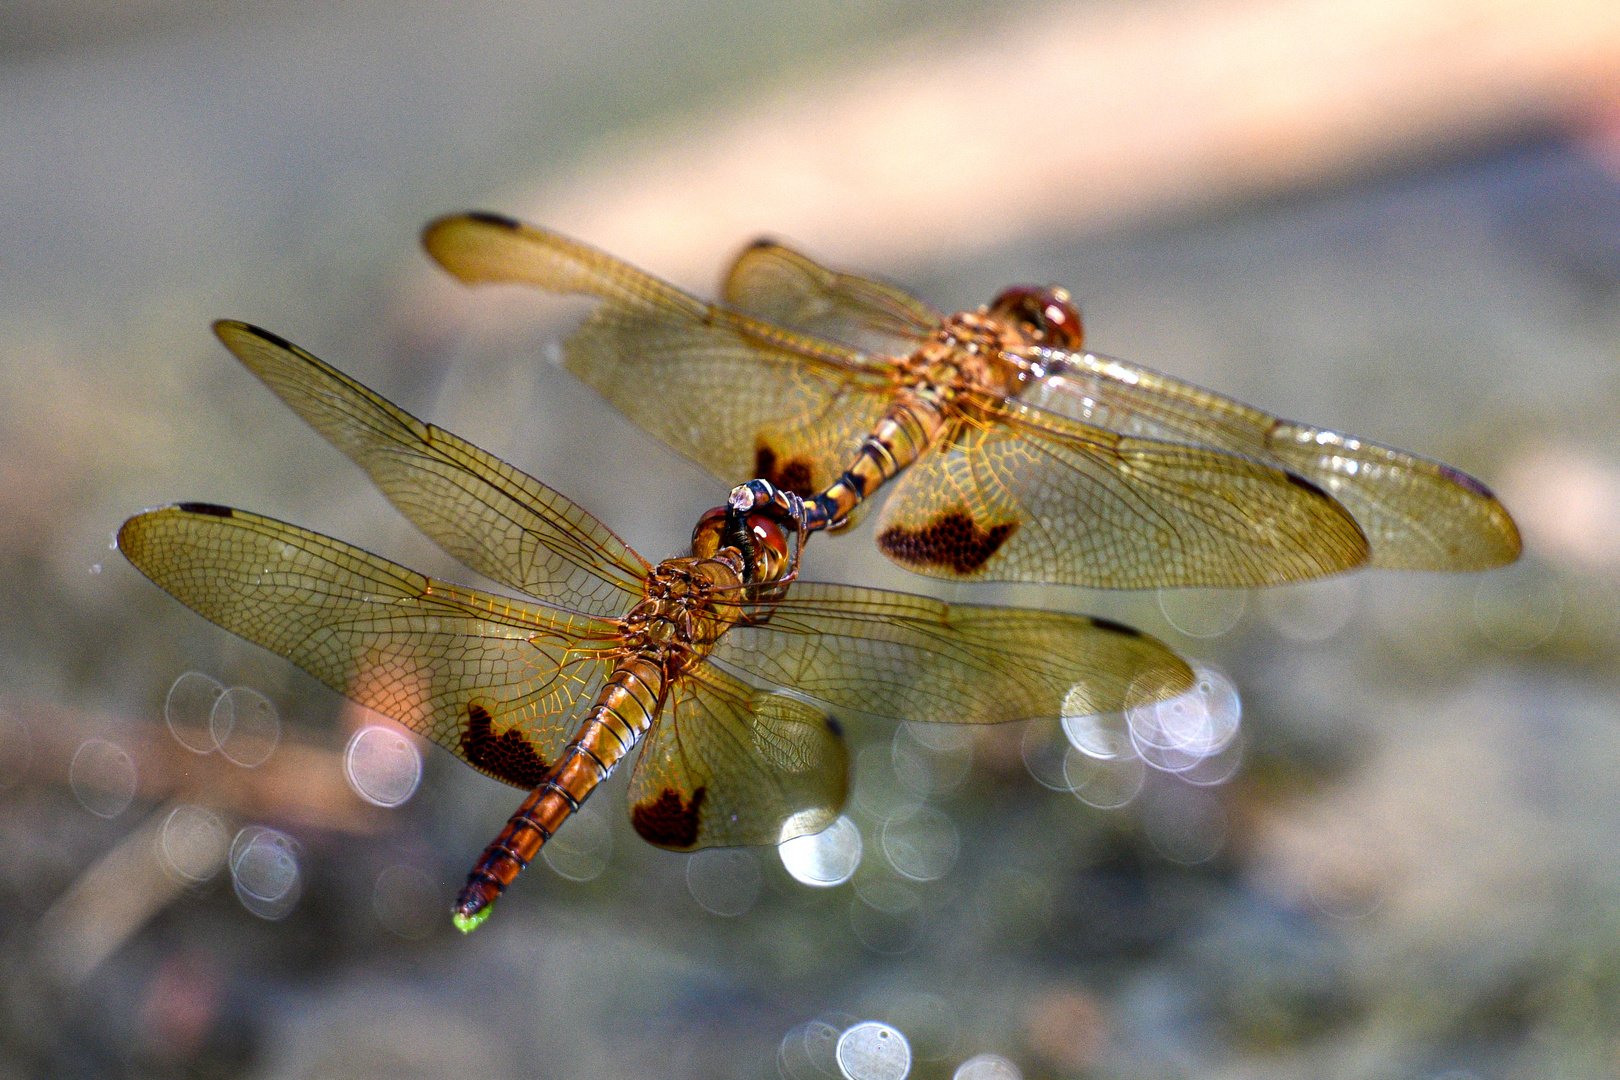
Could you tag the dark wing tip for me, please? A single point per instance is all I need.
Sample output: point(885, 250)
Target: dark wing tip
point(1116, 627)
point(1314, 488)
point(489, 217)
point(1463, 480)
point(226, 329)
point(211, 509)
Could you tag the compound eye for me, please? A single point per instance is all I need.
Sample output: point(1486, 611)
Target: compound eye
point(770, 547)
point(709, 534)
point(1048, 314)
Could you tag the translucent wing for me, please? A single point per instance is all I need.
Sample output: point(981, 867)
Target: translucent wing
point(907, 657)
point(1038, 497)
point(496, 682)
point(1417, 514)
point(782, 286)
point(741, 397)
point(727, 765)
point(498, 520)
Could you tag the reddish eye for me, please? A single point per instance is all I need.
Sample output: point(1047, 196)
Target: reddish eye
point(1046, 313)
point(768, 535)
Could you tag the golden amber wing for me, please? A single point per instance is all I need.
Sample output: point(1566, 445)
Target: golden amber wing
point(495, 518)
point(726, 764)
point(773, 282)
point(1038, 497)
point(906, 657)
point(1417, 514)
point(497, 682)
point(741, 397)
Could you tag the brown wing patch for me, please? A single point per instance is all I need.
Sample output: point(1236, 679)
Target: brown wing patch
point(953, 541)
point(507, 756)
point(793, 475)
point(669, 820)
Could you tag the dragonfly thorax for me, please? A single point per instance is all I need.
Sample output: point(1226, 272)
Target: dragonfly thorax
point(971, 352)
point(688, 604)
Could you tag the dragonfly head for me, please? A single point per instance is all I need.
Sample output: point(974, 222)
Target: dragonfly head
point(758, 536)
point(1047, 314)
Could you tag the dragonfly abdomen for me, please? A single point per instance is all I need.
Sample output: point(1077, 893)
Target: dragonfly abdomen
point(904, 431)
point(624, 710)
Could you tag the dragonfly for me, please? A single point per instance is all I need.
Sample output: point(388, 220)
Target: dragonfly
point(722, 666)
point(1025, 457)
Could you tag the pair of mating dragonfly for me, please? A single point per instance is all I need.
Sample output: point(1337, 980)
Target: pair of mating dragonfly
point(1020, 457)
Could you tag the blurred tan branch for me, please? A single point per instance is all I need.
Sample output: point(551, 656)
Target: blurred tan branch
point(1082, 116)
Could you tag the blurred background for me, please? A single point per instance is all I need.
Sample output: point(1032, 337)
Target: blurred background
point(1402, 857)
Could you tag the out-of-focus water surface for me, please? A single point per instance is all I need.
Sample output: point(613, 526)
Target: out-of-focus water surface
point(1389, 846)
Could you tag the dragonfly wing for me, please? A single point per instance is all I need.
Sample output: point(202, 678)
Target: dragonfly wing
point(497, 519)
point(732, 393)
point(1417, 514)
point(497, 682)
point(772, 282)
point(1038, 497)
point(905, 657)
point(727, 764)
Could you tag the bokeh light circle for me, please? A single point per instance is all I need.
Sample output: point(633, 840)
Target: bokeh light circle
point(382, 766)
point(1104, 785)
point(1044, 747)
point(925, 769)
point(265, 871)
point(1104, 736)
point(921, 843)
point(245, 726)
point(189, 710)
point(987, 1067)
point(884, 925)
point(102, 777)
point(192, 843)
point(582, 847)
point(724, 881)
point(826, 858)
point(873, 1051)
point(1177, 733)
point(1203, 613)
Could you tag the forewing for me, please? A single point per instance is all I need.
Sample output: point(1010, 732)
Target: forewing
point(1417, 514)
point(497, 519)
point(906, 657)
point(497, 682)
point(782, 286)
point(739, 396)
point(1038, 497)
point(726, 765)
